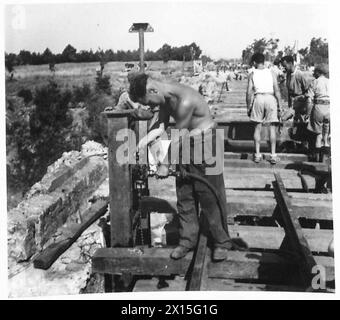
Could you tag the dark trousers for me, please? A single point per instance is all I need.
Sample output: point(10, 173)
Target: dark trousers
point(190, 193)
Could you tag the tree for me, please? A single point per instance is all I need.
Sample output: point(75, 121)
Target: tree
point(317, 52)
point(25, 57)
point(165, 52)
point(69, 54)
point(205, 59)
point(10, 62)
point(267, 47)
point(196, 50)
point(47, 56)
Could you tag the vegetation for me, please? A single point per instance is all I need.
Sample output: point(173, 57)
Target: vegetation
point(317, 52)
point(39, 127)
point(70, 54)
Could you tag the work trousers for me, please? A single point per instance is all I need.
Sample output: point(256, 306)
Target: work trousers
point(190, 193)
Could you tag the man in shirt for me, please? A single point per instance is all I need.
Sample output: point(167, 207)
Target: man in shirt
point(297, 85)
point(318, 98)
point(263, 104)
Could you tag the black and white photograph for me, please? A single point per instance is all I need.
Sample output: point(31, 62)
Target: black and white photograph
point(168, 146)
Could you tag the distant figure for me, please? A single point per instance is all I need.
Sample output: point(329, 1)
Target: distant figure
point(263, 104)
point(318, 97)
point(51, 66)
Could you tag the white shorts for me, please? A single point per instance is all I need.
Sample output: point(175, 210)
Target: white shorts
point(264, 109)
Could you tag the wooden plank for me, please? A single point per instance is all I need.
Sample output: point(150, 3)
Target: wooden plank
point(253, 203)
point(139, 261)
point(265, 267)
point(120, 183)
point(239, 265)
point(324, 197)
point(195, 281)
point(283, 156)
point(272, 237)
point(48, 256)
point(261, 179)
point(265, 164)
point(294, 234)
point(264, 207)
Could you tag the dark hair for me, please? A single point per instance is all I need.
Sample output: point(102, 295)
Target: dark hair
point(138, 86)
point(257, 58)
point(288, 59)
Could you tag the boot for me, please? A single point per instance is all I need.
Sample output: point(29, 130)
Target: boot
point(179, 252)
point(220, 254)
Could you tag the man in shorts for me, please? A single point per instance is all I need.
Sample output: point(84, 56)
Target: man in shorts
point(318, 97)
point(263, 104)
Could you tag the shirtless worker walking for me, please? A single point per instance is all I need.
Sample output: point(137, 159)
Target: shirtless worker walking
point(191, 112)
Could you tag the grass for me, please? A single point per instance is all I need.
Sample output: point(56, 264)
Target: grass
point(75, 74)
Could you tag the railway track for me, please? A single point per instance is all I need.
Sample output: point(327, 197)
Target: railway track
point(275, 209)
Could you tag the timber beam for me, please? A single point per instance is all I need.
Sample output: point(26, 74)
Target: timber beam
point(260, 266)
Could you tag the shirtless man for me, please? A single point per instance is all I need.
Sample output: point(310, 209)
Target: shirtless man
point(190, 111)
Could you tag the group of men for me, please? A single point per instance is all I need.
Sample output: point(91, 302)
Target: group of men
point(308, 103)
point(190, 111)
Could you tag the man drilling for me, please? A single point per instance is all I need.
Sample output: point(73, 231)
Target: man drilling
point(190, 111)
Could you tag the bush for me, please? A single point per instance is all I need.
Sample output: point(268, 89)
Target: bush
point(26, 94)
point(103, 84)
point(81, 93)
point(97, 121)
point(38, 133)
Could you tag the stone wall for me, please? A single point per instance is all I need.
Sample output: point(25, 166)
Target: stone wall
point(49, 212)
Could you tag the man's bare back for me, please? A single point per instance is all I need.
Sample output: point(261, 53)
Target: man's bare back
point(188, 108)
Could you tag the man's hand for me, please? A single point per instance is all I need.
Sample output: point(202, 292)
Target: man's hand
point(162, 171)
point(249, 112)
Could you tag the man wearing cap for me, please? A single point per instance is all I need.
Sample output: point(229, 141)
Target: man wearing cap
point(318, 98)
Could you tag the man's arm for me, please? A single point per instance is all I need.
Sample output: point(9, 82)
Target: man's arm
point(249, 95)
point(157, 132)
point(310, 97)
point(277, 93)
point(183, 119)
point(288, 91)
point(305, 83)
point(184, 115)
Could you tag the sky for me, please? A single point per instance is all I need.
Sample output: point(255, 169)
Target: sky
point(221, 29)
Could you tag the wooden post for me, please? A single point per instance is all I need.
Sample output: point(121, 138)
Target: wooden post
point(141, 28)
point(141, 49)
point(120, 183)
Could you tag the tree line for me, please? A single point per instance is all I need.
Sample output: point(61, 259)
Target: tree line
point(316, 52)
point(71, 54)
